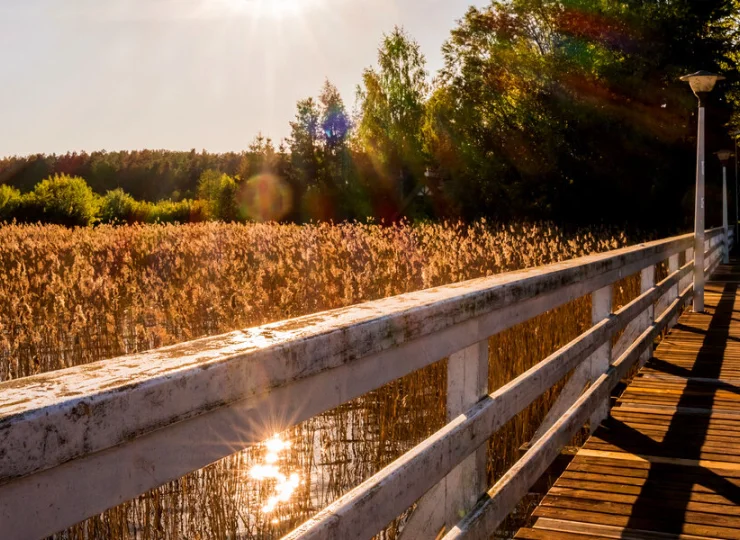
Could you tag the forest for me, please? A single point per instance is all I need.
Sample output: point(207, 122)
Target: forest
point(566, 110)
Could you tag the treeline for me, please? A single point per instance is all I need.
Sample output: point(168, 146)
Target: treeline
point(557, 109)
point(69, 200)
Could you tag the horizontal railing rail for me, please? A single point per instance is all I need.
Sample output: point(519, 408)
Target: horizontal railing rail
point(78, 441)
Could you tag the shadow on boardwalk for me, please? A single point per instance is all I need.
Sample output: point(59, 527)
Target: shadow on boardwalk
point(687, 433)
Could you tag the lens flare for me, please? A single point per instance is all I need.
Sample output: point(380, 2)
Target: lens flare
point(266, 197)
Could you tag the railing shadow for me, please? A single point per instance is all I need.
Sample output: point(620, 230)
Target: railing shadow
point(676, 443)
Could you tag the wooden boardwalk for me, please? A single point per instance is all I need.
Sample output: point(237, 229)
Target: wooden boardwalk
point(666, 464)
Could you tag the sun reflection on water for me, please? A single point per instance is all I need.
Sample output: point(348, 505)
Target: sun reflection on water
point(285, 486)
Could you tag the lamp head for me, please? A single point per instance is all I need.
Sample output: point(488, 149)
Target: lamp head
point(702, 82)
point(724, 156)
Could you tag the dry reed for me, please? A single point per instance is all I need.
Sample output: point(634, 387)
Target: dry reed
point(71, 296)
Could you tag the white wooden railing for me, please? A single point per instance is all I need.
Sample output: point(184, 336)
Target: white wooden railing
point(78, 441)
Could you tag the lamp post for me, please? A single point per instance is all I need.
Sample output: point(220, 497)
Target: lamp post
point(701, 82)
point(734, 135)
point(724, 156)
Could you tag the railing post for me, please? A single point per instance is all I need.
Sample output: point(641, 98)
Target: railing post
point(601, 308)
point(647, 282)
point(585, 373)
point(673, 266)
point(686, 281)
point(446, 503)
point(725, 233)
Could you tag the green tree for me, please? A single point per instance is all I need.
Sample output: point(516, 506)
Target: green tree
point(63, 199)
point(549, 108)
point(335, 123)
point(217, 192)
point(304, 146)
point(10, 200)
point(392, 103)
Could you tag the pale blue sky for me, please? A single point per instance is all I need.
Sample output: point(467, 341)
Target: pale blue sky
point(181, 74)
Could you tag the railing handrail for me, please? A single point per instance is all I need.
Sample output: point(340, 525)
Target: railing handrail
point(112, 414)
point(374, 503)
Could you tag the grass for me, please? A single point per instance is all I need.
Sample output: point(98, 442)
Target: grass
point(71, 296)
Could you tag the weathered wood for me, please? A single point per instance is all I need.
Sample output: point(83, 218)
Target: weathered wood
point(507, 492)
point(601, 308)
point(143, 420)
point(725, 228)
point(585, 373)
point(605, 531)
point(668, 459)
point(180, 382)
point(582, 375)
point(647, 280)
point(370, 506)
point(456, 494)
point(665, 301)
point(689, 257)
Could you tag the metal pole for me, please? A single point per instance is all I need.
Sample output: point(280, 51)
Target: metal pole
point(699, 217)
point(726, 241)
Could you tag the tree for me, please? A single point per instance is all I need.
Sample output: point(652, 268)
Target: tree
point(62, 199)
point(10, 200)
point(218, 193)
point(304, 146)
point(550, 108)
point(335, 124)
point(392, 102)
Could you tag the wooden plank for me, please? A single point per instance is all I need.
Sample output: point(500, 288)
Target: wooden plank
point(699, 502)
point(711, 434)
point(639, 468)
point(714, 412)
point(585, 516)
point(686, 462)
point(609, 531)
point(667, 511)
point(538, 534)
point(631, 492)
point(576, 479)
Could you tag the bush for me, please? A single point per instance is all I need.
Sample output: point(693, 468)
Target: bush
point(185, 211)
point(10, 200)
point(118, 207)
point(61, 199)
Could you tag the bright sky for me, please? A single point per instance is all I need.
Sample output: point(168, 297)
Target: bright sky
point(182, 74)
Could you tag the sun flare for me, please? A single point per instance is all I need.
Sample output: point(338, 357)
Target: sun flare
point(276, 9)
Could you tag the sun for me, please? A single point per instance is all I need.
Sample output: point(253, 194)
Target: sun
point(276, 9)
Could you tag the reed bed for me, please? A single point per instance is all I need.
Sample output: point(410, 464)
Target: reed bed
point(71, 296)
